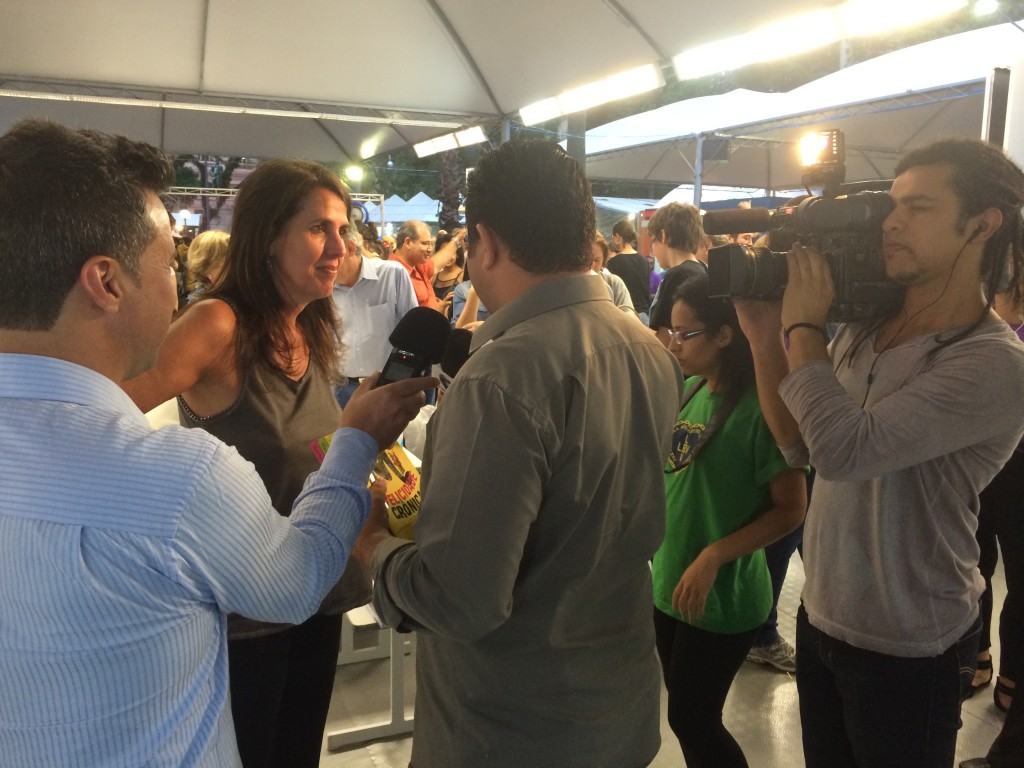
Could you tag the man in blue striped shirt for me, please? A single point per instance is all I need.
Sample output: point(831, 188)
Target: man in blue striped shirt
point(123, 548)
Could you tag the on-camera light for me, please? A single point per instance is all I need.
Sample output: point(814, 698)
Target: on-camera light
point(823, 157)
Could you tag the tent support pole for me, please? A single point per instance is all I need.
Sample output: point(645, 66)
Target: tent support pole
point(575, 137)
point(698, 171)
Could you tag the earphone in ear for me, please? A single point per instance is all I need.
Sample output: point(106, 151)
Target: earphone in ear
point(977, 231)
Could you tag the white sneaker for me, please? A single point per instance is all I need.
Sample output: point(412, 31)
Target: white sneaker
point(780, 655)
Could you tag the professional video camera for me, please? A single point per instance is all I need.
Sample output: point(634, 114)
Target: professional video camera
point(844, 224)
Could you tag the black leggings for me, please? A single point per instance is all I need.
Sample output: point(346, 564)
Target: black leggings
point(699, 668)
point(1002, 519)
point(281, 687)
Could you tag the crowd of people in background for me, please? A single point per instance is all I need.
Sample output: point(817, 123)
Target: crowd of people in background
point(633, 279)
point(618, 475)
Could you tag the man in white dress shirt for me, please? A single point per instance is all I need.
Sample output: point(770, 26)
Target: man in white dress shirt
point(371, 295)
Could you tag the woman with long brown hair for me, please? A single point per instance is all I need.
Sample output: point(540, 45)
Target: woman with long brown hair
point(252, 363)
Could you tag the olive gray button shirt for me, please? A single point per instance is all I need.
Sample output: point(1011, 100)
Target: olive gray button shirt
point(543, 502)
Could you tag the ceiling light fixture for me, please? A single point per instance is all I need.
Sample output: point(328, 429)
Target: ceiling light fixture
point(618, 86)
point(224, 109)
point(464, 138)
point(808, 31)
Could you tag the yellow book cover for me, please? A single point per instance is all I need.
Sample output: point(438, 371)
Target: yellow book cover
point(402, 478)
point(403, 490)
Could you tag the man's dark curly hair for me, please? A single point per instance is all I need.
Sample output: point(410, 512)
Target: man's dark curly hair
point(537, 199)
point(66, 196)
point(984, 177)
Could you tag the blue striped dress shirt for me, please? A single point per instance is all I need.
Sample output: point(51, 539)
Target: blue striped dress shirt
point(121, 550)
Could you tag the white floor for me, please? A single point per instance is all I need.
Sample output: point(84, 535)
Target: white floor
point(761, 711)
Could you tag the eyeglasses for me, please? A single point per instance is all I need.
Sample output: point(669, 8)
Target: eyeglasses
point(681, 336)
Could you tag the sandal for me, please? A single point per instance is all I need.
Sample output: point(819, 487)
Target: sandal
point(983, 665)
point(1002, 689)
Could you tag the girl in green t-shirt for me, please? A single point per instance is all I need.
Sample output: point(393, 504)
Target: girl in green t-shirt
point(728, 493)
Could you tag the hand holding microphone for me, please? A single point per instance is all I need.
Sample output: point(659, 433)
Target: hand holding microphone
point(383, 412)
point(386, 402)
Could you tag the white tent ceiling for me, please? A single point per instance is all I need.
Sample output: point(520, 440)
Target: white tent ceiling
point(454, 62)
point(884, 106)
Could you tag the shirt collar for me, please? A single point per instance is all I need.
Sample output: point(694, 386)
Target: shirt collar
point(406, 267)
point(541, 298)
point(413, 271)
point(368, 270)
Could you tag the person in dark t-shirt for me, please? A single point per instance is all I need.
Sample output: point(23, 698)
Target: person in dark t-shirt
point(676, 236)
point(631, 267)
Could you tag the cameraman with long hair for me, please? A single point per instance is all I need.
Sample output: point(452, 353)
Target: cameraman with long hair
point(906, 417)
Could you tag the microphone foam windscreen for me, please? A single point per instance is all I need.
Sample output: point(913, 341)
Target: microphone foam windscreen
point(423, 331)
point(457, 352)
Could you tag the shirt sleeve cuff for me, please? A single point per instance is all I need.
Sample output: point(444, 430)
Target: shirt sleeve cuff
point(796, 455)
point(387, 611)
point(351, 455)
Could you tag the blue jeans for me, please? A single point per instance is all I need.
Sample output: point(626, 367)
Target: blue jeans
point(1002, 518)
point(861, 709)
point(344, 391)
point(777, 556)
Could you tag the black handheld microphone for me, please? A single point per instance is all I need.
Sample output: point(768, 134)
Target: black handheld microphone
point(455, 355)
point(732, 221)
point(419, 341)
